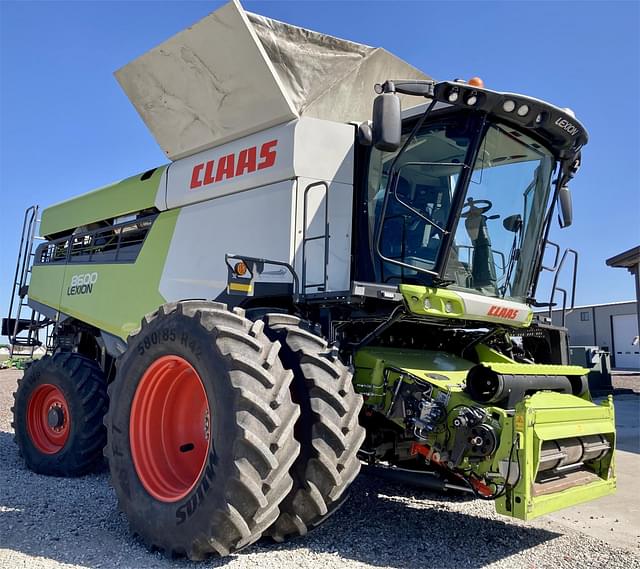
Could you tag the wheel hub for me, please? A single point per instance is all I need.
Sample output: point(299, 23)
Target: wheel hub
point(48, 418)
point(55, 417)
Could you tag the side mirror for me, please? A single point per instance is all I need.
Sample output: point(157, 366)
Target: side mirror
point(566, 208)
point(365, 134)
point(387, 122)
point(513, 223)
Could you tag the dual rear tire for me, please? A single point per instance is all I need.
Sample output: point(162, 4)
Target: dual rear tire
point(201, 430)
point(328, 428)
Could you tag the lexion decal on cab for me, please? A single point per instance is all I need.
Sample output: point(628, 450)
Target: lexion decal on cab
point(564, 124)
point(82, 284)
point(233, 165)
point(501, 312)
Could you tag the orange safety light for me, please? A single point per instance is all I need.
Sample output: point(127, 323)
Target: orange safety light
point(476, 82)
point(240, 269)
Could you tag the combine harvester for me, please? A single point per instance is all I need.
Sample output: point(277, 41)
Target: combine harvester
point(302, 289)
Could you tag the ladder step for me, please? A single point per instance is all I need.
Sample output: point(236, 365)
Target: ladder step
point(26, 344)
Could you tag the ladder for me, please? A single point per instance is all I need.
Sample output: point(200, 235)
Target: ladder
point(24, 332)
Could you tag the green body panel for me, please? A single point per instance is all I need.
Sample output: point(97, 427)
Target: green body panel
point(543, 416)
point(504, 365)
point(446, 303)
point(547, 416)
point(439, 368)
point(127, 196)
point(122, 293)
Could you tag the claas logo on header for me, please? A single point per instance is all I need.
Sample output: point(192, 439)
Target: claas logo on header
point(230, 166)
point(502, 312)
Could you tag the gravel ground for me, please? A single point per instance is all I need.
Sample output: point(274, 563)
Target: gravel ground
point(48, 522)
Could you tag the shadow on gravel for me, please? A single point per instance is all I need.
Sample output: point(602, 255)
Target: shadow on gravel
point(76, 521)
point(387, 525)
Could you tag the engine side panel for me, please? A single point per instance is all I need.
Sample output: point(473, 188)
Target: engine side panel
point(111, 296)
point(127, 196)
point(256, 223)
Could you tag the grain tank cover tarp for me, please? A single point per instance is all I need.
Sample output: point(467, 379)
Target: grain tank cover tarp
point(233, 73)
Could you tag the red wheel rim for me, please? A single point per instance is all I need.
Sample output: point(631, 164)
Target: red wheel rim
point(169, 428)
point(48, 418)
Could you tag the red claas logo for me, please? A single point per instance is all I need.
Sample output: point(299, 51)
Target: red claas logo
point(232, 165)
point(501, 312)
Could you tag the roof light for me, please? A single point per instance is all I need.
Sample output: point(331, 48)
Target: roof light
point(453, 95)
point(476, 82)
point(539, 118)
point(522, 110)
point(472, 99)
point(508, 106)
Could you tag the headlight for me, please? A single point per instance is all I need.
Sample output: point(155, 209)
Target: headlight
point(508, 106)
point(523, 110)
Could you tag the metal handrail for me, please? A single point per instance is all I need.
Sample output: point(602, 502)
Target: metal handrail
point(324, 236)
point(16, 280)
point(258, 260)
point(555, 287)
point(71, 247)
point(555, 260)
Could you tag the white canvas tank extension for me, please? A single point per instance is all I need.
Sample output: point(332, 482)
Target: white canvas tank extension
point(234, 73)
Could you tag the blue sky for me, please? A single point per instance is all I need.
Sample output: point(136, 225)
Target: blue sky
point(66, 127)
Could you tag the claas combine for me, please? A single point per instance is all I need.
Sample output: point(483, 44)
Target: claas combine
point(337, 268)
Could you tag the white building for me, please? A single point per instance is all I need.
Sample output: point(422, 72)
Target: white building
point(612, 326)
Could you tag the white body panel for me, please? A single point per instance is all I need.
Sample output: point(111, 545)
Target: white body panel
point(323, 208)
point(261, 213)
point(496, 310)
point(312, 148)
point(188, 179)
point(256, 223)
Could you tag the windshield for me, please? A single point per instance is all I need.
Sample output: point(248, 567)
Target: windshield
point(496, 237)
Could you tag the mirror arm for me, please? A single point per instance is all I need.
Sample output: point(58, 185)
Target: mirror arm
point(417, 88)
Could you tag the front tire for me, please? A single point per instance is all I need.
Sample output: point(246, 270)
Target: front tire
point(200, 430)
point(57, 416)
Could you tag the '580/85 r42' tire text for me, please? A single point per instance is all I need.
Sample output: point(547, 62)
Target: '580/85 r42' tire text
point(200, 430)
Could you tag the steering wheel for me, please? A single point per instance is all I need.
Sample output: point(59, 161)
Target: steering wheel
point(475, 208)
